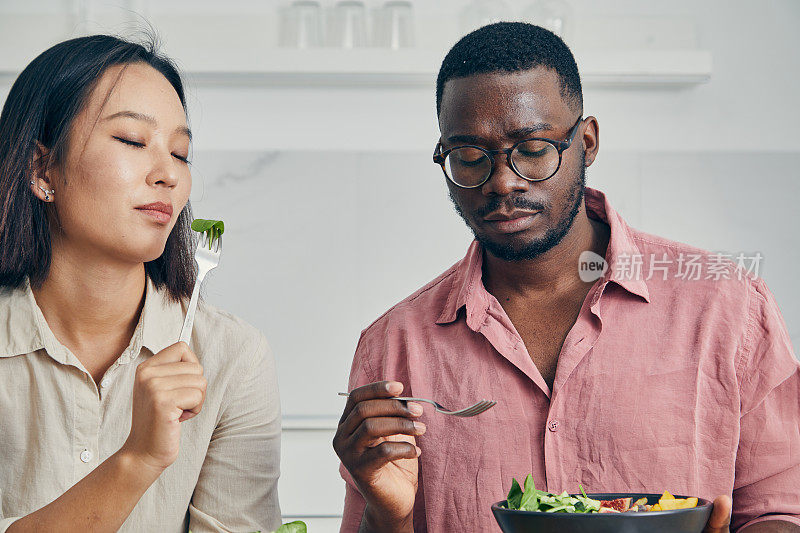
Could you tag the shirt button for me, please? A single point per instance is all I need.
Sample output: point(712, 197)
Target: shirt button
point(105, 383)
point(86, 456)
point(552, 425)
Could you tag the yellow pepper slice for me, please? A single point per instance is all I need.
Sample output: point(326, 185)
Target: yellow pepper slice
point(678, 503)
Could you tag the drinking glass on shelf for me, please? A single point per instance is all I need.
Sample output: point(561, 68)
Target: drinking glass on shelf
point(348, 24)
point(554, 15)
point(301, 25)
point(482, 12)
point(394, 25)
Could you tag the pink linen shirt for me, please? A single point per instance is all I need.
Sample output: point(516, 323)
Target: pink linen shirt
point(668, 383)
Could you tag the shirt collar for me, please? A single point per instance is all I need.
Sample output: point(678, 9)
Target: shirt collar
point(621, 244)
point(19, 324)
point(467, 289)
point(466, 280)
point(23, 328)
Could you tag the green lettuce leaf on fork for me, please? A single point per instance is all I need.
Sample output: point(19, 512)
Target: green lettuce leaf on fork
point(292, 527)
point(212, 228)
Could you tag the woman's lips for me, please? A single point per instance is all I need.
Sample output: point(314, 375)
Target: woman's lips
point(161, 213)
point(513, 225)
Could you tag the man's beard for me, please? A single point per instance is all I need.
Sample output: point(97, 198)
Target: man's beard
point(536, 247)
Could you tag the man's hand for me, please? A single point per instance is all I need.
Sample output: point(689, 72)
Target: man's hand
point(375, 441)
point(720, 519)
point(169, 389)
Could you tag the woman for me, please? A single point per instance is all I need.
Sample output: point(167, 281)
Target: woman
point(107, 422)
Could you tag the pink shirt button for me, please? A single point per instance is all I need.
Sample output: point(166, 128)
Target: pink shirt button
point(552, 425)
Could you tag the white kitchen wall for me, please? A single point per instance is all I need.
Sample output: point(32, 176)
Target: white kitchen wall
point(335, 211)
point(320, 244)
point(311, 261)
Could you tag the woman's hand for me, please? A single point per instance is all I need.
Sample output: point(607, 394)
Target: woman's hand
point(169, 389)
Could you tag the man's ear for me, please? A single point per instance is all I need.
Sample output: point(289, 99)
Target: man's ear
point(40, 182)
point(591, 139)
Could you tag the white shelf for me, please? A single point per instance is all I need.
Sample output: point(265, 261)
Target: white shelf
point(418, 68)
point(645, 67)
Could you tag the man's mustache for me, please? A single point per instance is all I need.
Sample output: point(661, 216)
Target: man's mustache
point(508, 203)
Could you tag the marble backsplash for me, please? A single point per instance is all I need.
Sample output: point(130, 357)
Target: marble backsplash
point(319, 244)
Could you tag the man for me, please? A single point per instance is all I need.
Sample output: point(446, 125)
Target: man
point(633, 382)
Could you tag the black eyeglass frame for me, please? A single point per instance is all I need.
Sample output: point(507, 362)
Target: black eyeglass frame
point(440, 156)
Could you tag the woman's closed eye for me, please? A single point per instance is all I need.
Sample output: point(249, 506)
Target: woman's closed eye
point(137, 144)
point(129, 142)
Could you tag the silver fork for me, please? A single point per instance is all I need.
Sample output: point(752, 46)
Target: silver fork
point(207, 259)
point(472, 410)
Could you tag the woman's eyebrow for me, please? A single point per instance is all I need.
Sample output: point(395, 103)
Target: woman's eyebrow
point(146, 118)
point(134, 115)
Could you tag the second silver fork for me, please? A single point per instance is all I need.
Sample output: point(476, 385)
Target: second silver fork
point(207, 258)
point(474, 409)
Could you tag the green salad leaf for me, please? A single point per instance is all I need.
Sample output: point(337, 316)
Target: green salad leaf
point(293, 527)
point(514, 495)
point(528, 498)
point(211, 228)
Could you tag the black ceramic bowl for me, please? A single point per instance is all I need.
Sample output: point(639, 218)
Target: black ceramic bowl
point(677, 521)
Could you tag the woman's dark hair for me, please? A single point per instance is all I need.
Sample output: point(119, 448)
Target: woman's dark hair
point(40, 109)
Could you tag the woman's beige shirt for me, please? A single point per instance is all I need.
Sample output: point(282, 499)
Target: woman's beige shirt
point(57, 425)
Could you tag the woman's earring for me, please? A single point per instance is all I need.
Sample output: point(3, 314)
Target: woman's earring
point(45, 191)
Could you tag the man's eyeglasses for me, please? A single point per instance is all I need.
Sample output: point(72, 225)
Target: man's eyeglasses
point(535, 159)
